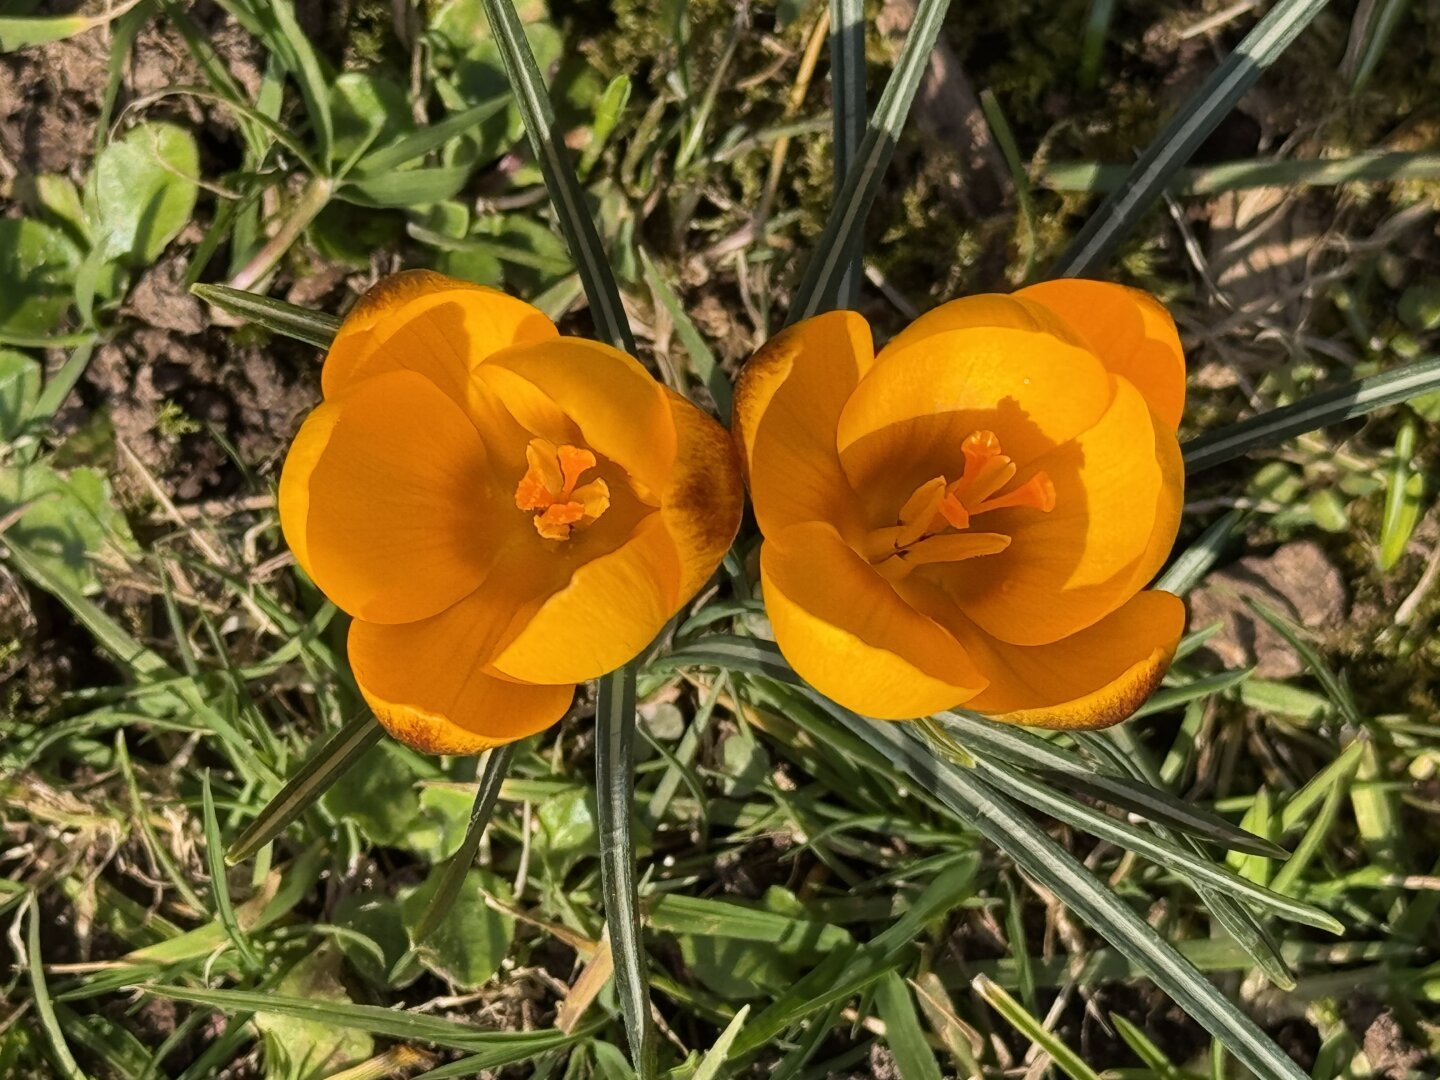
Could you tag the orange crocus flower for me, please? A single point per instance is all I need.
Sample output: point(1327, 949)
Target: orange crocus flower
point(970, 516)
point(505, 512)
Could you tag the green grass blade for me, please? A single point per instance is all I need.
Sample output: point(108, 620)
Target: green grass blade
point(1330, 407)
point(1196, 561)
point(1092, 41)
point(914, 1059)
point(58, 386)
point(702, 358)
point(326, 766)
point(314, 327)
point(714, 1059)
point(1018, 1017)
point(219, 886)
point(44, 1007)
point(1005, 139)
point(833, 256)
point(497, 764)
point(1378, 166)
point(1120, 746)
point(615, 798)
point(1039, 796)
point(566, 194)
point(847, 120)
point(1183, 135)
point(498, 1047)
point(417, 144)
point(1032, 849)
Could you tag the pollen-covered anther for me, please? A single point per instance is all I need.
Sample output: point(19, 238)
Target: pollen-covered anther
point(551, 485)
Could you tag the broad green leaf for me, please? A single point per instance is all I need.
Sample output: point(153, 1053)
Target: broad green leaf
point(297, 1048)
point(19, 390)
point(68, 520)
point(38, 263)
point(19, 32)
point(467, 944)
point(142, 190)
point(368, 110)
point(378, 918)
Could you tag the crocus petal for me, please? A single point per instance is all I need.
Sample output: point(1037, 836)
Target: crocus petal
point(787, 403)
point(846, 632)
point(430, 688)
point(1092, 679)
point(908, 418)
point(1129, 330)
point(1068, 568)
point(994, 310)
point(613, 606)
point(431, 324)
point(618, 408)
point(388, 500)
point(705, 497)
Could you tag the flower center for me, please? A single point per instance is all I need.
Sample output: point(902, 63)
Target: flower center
point(934, 521)
point(549, 487)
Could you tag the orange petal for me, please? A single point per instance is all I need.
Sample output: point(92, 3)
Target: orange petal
point(993, 310)
point(618, 408)
point(430, 689)
point(705, 498)
point(1071, 567)
point(389, 503)
point(787, 403)
point(1092, 679)
point(613, 607)
point(846, 632)
point(1129, 330)
point(294, 496)
point(432, 324)
point(908, 419)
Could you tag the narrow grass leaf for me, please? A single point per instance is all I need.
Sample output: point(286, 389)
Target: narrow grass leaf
point(1121, 747)
point(834, 252)
point(1334, 687)
point(1162, 852)
point(20, 32)
point(615, 797)
point(566, 194)
point(847, 121)
point(1016, 1015)
point(1196, 561)
point(1174, 697)
point(417, 144)
point(1338, 773)
point(219, 884)
point(1160, 1066)
point(1010, 150)
point(497, 764)
point(312, 780)
point(58, 386)
point(1329, 407)
point(314, 327)
point(495, 1047)
point(1183, 135)
point(702, 358)
point(846, 972)
point(715, 1058)
point(1290, 873)
point(1380, 166)
point(1039, 856)
point(914, 1059)
point(44, 1007)
point(1092, 41)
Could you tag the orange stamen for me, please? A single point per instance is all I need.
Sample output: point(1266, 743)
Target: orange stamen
point(922, 533)
point(549, 485)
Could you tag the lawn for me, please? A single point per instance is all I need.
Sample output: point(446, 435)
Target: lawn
point(215, 864)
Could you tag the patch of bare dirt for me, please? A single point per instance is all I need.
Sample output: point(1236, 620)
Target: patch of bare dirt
point(1298, 580)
